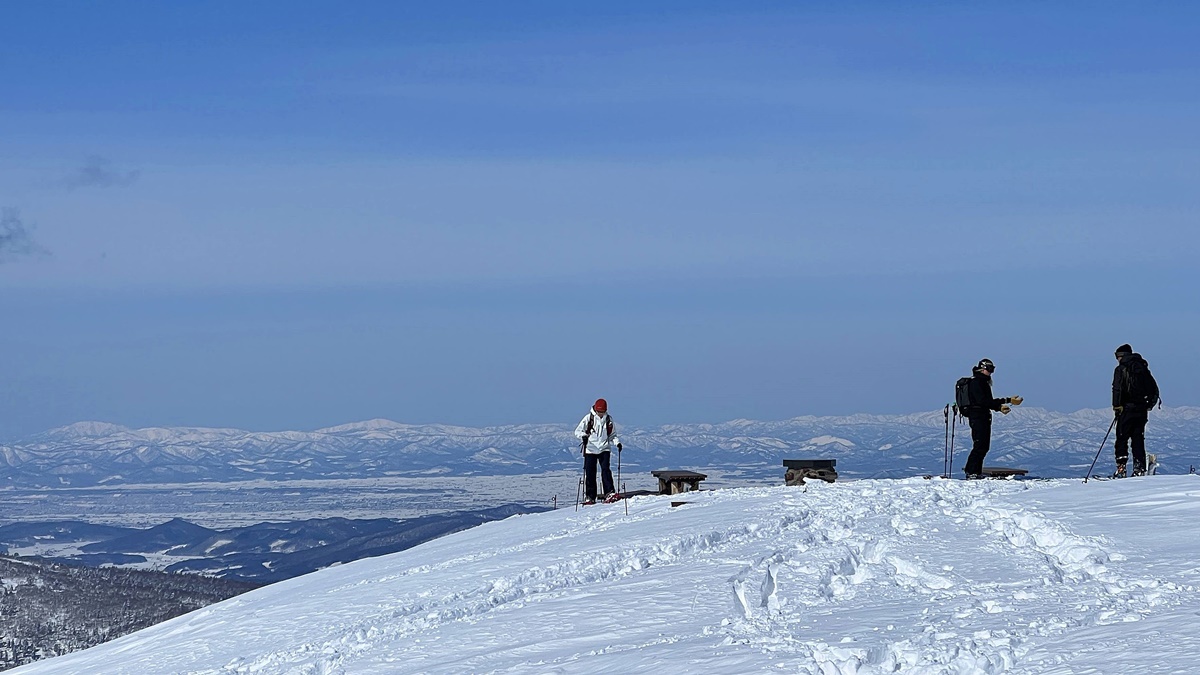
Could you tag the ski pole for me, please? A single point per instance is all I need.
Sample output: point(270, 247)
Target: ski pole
point(946, 445)
point(1110, 428)
point(620, 485)
point(579, 488)
point(953, 423)
point(619, 469)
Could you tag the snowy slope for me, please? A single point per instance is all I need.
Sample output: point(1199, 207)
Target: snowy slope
point(871, 576)
point(1050, 444)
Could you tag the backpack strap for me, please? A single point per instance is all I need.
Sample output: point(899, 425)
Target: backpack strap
point(591, 424)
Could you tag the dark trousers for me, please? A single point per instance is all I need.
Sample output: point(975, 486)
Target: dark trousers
point(1131, 430)
point(589, 469)
point(981, 442)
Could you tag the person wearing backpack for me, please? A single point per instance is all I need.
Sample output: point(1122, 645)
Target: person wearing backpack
point(973, 395)
point(596, 434)
point(1134, 393)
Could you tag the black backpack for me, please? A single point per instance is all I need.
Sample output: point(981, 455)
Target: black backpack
point(1153, 395)
point(1146, 387)
point(962, 395)
point(1140, 387)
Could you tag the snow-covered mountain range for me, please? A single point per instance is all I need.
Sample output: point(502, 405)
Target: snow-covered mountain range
point(1050, 444)
point(851, 578)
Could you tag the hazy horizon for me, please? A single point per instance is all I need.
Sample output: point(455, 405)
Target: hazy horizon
point(572, 422)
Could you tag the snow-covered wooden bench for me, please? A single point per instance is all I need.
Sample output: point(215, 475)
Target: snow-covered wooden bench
point(799, 469)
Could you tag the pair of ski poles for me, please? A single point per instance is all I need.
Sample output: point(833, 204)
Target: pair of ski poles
point(948, 458)
point(579, 488)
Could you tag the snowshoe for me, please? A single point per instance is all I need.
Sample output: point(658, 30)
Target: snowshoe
point(612, 497)
point(589, 502)
point(1120, 472)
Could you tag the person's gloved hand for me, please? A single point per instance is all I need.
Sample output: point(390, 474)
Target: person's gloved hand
point(618, 447)
point(1016, 400)
point(1004, 409)
point(1118, 409)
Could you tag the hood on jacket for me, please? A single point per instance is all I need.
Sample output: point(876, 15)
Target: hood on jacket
point(1134, 359)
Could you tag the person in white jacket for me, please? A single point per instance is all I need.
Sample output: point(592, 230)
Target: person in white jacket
point(596, 434)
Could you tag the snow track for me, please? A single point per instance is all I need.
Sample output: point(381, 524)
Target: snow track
point(862, 577)
point(976, 618)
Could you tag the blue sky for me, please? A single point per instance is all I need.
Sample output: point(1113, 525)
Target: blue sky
point(294, 215)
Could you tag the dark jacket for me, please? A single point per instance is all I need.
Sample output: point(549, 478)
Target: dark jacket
point(1133, 386)
point(980, 393)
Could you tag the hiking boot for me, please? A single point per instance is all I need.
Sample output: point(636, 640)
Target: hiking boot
point(1120, 472)
point(589, 502)
point(1139, 470)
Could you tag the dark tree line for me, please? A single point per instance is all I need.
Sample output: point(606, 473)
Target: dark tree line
point(48, 608)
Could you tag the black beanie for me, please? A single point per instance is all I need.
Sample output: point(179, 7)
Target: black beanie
point(1125, 349)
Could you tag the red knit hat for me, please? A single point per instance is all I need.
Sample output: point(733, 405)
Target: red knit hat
point(600, 406)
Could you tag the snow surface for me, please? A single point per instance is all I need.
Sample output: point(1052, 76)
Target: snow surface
point(870, 576)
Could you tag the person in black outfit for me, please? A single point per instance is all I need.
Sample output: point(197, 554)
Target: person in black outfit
point(1134, 393)
point(979, 413)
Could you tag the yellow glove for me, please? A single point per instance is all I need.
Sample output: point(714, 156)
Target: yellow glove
point(1004, 408)
point(1016, 400)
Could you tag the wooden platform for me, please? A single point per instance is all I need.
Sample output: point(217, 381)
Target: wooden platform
point(673, 482)
point(1002, 472)
point(637, 493)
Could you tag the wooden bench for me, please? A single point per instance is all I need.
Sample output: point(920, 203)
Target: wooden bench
point(672, 482)
point(799, 469)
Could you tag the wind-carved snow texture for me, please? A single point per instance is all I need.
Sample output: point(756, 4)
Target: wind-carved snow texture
point(980, 619)
point(864, 577)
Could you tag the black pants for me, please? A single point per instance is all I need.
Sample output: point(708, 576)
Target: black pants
point(1131, 430)
point(981, 442)
point(589, 469)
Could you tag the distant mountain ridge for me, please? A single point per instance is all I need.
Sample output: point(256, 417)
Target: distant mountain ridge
point(1048, 443)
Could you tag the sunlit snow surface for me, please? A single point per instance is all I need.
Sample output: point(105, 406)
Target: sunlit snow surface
point(872, 576)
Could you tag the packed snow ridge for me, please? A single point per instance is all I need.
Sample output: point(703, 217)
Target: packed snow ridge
point(856, 577)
